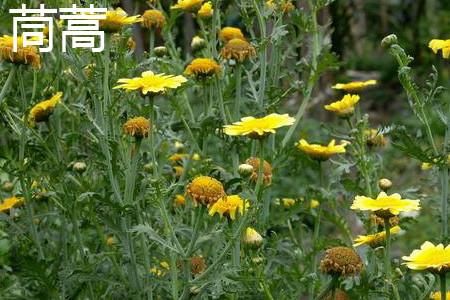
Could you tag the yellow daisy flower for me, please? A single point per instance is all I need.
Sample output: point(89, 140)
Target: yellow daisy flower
point(116, 19)
point(153, 19)
point(205, 190)
point(376, 239)
point(354, 86)
point(443, 45)
point(202, 68)
point(287, 202)
point(188, 5)
point(206, 11)
point(138, 127)
point(11, 202)
point(42, 111)
point(385, 205)
point(259, 127)
point(320, 152)
point(345, 106)
point(238, 49)
point(228, 206)
point(28, 55)
point(229, 33)
point(429, 257)
point(437, 295)
point(150, 82)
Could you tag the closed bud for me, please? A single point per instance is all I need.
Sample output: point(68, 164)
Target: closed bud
point(160, 51)
point(148, 167)
point(389, 41)
point(197, 43)
point(245, 170)
point(384, 184)
point(7, 186)
point(252, 237)
point(79, 167)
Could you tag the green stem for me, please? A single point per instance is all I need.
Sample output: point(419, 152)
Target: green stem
point(316, 233)
point(387, 252)
point(237, 103)
point(106, 95)
point(153, 134)
point(263, 53)
point(443, 283)
point(151, 42)
point(8, 82)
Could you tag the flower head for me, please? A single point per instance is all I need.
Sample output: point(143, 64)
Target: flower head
point(314, 203)
point(227, 34)
point(252, 237)
point(228, 206)
point(259, 127)
point(179, 200)
point(198, 265)
point(437, 295)
point(138, 127)
point(42, 111)
point(188, 5)
point(345, 106)
point(150, 82)
point(288, 202)
point(374, 138)
point(11, 202)
point(429, 257)
point(202, 68)
point(374, 240)
point(267, 170)
point(153, 19)
point(320, 152)
point(205, 190)
point(341, 261)
point(116, 19)
point(238, 49)
point(206, 11)
point(27, 55)
point(443, 45)
point(385, 205)
point(354, 86)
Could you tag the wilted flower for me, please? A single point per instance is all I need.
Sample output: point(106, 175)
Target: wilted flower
point(341, 261)
point(429, 257)
point(138, 127)
point(284, 6)
point(229, 206)
point(198, 265)
point(205, 190)
point(28, 55)
point(385, 205)
point(374, 138)
point(229, 33)
point(258, 127)
point(151, 83)
point(202, 68)
point(443, 45)
point(252, 237)
point(131, 44)
point(374, 240)
point(153, 19)
point(320, 152)
point(188, 5)
point(116, 19)
point(238, 49)
point(11, 202)
point(344, 107)
point(206, 11)
point(354, 86)
point(267, 170)
point(42, 111)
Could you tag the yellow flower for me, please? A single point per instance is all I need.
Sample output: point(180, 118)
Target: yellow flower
point(111, 241)
point(376, 239)
point(177, 157)
point(443, 45)
point(345, 106)
point(314, 203)
point(354, 86)
point(116, 19)
point(385, 205)
point(42, 111)
point(238, 49)
point(425, 166)
point(320, 152)
point(9, 203)
point(228, 206)
point(431, 257)
point(267, 170)
point(179, 200)
point(138, 127)
point(178, 171)
point(151, 83)
point(288, 202)
point(258, 127)
point(229, 33)
point(153, 19)
point(28, 55)
point(437, 295)
point(252, 237)
point(202, 68)
point(205, 190)
point(188, 5)
point(206, 11)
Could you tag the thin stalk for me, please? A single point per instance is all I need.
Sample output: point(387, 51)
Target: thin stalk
point(221, 104)
point(316, 233)
point(152, 134)
point(444, 203)
point(237, 101)
point(8, 82)
point(443, 283)
point(259, 180)
point(263, 53)
point(151, 45)
point(387, 252)
point(106, 95)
